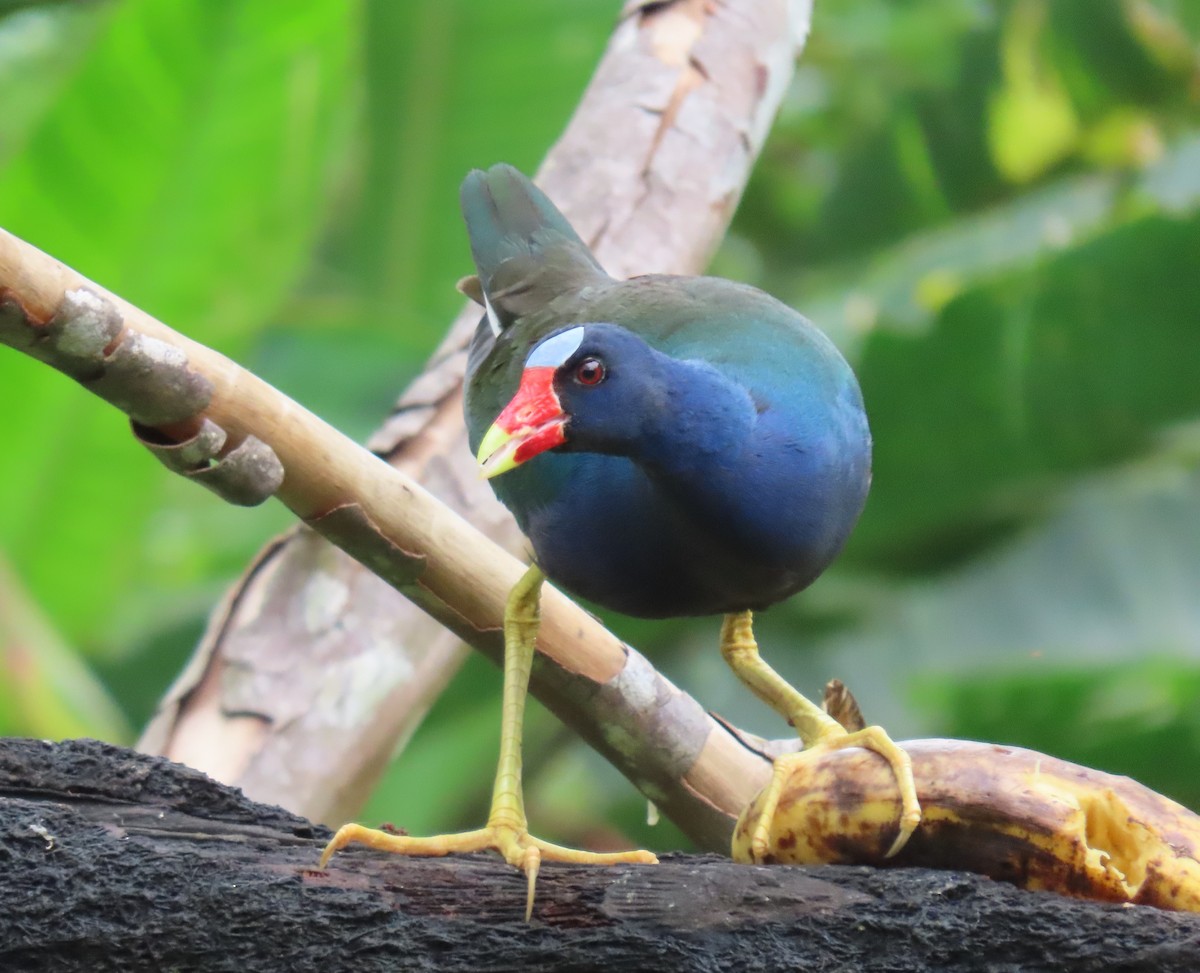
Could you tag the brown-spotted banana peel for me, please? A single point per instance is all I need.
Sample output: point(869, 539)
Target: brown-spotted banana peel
point(1012, 814)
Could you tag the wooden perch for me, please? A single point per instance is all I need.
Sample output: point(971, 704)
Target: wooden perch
point(113, 860)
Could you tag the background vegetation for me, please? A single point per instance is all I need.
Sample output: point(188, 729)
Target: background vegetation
point(993, 206)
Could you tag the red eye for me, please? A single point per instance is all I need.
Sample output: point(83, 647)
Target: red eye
point(590, 371)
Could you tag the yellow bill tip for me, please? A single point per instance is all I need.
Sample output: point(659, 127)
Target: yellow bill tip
point(497, 452)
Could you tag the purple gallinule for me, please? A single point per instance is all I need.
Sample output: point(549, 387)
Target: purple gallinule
point(670, 446)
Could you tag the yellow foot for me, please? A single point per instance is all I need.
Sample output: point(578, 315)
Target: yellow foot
point(870, 738)
point(519, 848)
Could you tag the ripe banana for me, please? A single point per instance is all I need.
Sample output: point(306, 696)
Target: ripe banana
point(1012, 814)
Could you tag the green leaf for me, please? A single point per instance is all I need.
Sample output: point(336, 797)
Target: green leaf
point(1135, 718)
point(38, 54)
point(1108, 579)
point(1033, 122)
point(451, 85)
point(850, 298)
point(185, 165)
point(1072, 365)
point(47, 690)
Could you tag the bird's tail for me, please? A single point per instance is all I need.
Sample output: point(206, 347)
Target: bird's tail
point(520, 241)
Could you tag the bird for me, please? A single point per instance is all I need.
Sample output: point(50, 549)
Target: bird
point(670, 446)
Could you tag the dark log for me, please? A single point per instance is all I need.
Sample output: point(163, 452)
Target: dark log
point(112, 860)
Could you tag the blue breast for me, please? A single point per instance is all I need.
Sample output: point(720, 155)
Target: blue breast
point(709, 527)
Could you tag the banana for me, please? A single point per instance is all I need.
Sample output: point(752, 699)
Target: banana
point(1005, 812)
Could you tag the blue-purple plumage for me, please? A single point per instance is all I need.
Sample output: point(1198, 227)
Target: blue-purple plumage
point(723, 461)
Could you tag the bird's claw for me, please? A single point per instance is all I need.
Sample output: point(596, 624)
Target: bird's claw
point(836, 738)
point(514, 843)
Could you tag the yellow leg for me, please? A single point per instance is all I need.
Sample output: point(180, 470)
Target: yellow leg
point(817, 729)
point(506, 830)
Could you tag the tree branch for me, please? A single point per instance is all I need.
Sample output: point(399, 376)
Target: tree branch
point(692, 88)
point(118, 861)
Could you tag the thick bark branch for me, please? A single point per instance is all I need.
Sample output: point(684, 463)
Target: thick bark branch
point(117, 861)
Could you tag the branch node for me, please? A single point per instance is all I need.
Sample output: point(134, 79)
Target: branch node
point(151, 381)
point(86, 327)
point(86, 339)
point(247, 475)
point(197, 452)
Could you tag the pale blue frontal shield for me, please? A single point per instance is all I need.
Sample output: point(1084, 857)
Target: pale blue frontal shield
point(553, 351)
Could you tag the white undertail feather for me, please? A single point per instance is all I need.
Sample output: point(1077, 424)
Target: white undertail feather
point(493, 321)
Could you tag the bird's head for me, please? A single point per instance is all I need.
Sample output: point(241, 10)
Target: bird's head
point(585, 388)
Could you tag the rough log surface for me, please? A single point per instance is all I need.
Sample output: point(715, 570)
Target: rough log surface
point(112, 860)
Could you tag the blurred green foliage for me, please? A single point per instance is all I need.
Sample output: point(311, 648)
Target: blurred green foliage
point(992, 205)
